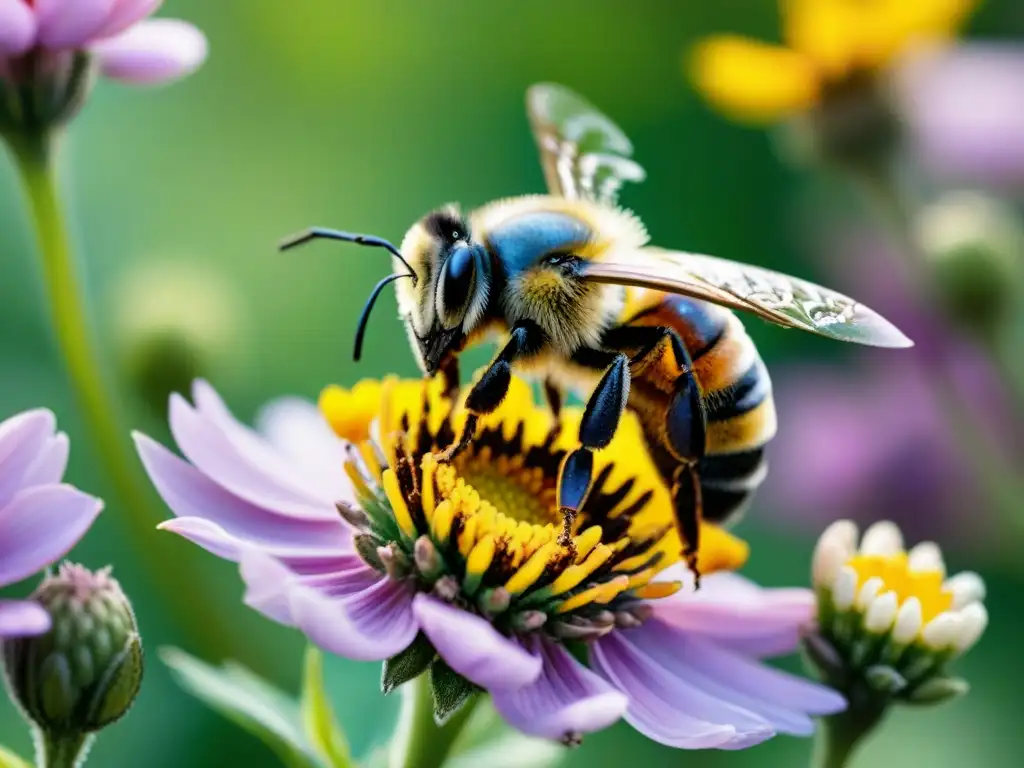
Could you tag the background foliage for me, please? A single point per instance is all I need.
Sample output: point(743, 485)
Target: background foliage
point(364, 115)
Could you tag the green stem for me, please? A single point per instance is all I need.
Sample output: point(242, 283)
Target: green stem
point(33, 155)
point(420, 742)
point(67, 751)
point(839, 736)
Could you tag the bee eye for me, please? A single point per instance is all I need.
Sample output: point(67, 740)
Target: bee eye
point(457, 282)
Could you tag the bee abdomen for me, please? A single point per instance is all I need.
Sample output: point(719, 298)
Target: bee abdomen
point(729, 481)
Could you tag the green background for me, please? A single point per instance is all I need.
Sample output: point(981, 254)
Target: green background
point(364, 115)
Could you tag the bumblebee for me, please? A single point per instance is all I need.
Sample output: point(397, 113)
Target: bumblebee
point(569, 285)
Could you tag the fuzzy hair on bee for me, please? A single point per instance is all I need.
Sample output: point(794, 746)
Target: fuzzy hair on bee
point(574, 294)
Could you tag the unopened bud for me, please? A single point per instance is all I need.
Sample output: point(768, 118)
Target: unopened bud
point(43, 90)
point(975, 246)
point(175, 322)
point(85, 672)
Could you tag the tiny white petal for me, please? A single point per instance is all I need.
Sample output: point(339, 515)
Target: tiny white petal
point(967, 587)
point(842, 532)
point(927, 556)
point(881, 613)
point(908, 622)
point(829, 557)
point(868, 592)
point(882, 538)
point(845, 588)
point(974, 621)
point(940, 632)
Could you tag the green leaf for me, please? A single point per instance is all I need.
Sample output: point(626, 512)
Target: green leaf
point(10, 760)
point(488, 740)
point(318, 717)
point(407, 665)
point(250, 702)
point(449, 691)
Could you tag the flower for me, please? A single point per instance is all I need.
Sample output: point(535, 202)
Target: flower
point(397, 553)
point(964, 110)
point(827, 73)
point(830, 44)
point(889, 621)
point(84, 673)
point(50, 48)
point(40, 518)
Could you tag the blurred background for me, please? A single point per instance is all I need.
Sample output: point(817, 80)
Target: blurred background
point(365, 115)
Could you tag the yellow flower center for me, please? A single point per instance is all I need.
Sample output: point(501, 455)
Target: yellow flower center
point(896, 576)
point(485, 530)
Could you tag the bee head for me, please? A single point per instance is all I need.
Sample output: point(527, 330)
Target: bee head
point(444, 306)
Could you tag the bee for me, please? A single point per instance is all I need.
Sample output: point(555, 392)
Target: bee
point(577, 297)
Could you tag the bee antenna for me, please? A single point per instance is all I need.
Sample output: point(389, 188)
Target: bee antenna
point(364, 316)
point(320, 233)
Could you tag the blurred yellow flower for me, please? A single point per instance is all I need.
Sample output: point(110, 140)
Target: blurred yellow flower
point(828, 43)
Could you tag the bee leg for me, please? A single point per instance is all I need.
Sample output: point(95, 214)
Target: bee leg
point(487, 394)
point(597, 428)
point(685, 432)
point(553, 395)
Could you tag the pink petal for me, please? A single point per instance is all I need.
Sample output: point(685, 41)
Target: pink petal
point(19, 618)
point(17, 27)
point(39, 526)
point(50, 464)
point(474, 648)
point(371, 625)
point(260, 477)
point(737, 613)
point(154, 51)
point(296, 428)
point(669, 709)
point(126, 13)
point(22, 438)
point(71, 23)
point(565, 701)
point(190, 493)
point(727, 675)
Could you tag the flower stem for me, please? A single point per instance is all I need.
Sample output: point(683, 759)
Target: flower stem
point(68, 751)
point(33, 155)
point(839, 736)
point(419, 741)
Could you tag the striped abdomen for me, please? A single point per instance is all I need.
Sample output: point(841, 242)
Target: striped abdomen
point(735, 390)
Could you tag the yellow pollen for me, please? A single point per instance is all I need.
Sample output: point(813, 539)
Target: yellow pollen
point(441, 521)
point(586, 541)
point(895, 573)
point(598, 593)
point(658, 589)
point(369, 454)
point(467, 537)
point(574, 575)
point(640, 578)
point(531, 570)
point(480, 557)
point(398, 506)
point(429, 468)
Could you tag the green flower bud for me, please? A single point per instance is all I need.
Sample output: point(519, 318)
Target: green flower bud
point(85, 672)
point(975, 246)
point(174, 322)
point(43, 90)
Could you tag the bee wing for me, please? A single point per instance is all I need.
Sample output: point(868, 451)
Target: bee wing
point(584, 154)
point(784, 300)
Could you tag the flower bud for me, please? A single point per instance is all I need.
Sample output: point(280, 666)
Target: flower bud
point(174, 323)
point(974, 245)
point(43, 90)
point(85, 672)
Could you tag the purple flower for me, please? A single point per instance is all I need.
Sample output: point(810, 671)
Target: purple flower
point(126, 46)
point(367, 547)
point(40, 518)
point(964, 107)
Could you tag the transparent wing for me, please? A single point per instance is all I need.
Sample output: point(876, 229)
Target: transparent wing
point(787, 301)
point(584, 154)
